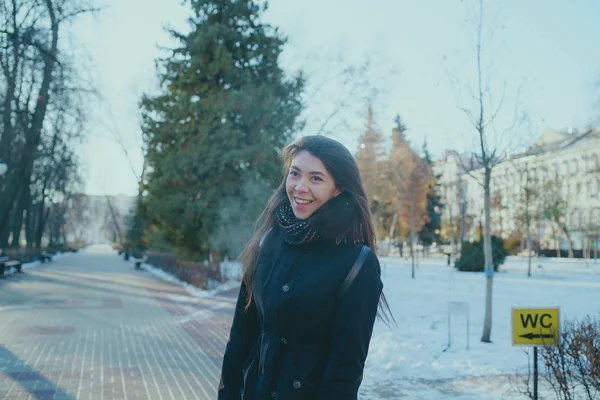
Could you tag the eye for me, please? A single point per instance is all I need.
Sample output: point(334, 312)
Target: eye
point(293, 173)
point(317, 179)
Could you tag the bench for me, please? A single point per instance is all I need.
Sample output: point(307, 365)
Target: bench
point(139, 260)
point(46, 256)
point(6, 264)
point(139, 257)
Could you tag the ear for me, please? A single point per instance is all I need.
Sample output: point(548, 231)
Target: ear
point(337, 192)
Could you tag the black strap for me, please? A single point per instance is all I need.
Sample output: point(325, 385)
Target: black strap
point(360, 260)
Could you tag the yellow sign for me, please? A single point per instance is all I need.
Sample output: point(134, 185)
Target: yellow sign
point(535, 326)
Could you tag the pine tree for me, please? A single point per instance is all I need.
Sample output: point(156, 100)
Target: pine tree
point(399, 139)
point(398, 176)
point(369, 158)
point(371, 163)
point(430, 232)
point(224, 113)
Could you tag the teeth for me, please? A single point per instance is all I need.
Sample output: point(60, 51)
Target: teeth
point(303, 201)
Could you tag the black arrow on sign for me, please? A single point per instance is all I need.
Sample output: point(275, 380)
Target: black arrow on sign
point(532, 336)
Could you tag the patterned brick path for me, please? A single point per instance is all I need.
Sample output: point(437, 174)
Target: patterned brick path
point(90, 326)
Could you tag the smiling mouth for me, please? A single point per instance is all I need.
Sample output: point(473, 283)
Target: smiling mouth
point(302, 202)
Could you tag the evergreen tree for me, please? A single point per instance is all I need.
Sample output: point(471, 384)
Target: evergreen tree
point(224, 113)
point(399, 138)
point(430, 232)
point(369, 158)
point(399, 166)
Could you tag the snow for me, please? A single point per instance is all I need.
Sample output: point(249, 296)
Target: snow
point(231, 272)
point(413, 360)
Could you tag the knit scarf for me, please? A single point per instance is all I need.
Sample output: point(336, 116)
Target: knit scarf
point(337, 220)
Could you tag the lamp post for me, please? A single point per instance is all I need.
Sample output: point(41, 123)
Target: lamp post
point(3, 168)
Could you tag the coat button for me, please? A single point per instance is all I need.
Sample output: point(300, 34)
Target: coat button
point(285, 288)
point(283, 340)
point(273, 394)
point(297, 384)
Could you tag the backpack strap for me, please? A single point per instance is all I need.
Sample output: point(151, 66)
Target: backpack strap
point(360, 260)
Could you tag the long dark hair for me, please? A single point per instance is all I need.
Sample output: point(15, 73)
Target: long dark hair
point(341, 165)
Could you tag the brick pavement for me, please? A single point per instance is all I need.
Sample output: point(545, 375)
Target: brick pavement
point(90, 326)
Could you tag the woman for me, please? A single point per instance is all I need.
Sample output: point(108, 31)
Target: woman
point(295, 336)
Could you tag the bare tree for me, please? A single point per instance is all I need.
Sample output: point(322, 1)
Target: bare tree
point(555, 207)
point(338, 88)
point(529, 208)
point(78, 218)
point(482, 115)
point(115, 225)
point(29, 58)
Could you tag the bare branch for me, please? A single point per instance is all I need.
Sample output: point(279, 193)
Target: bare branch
point(329, 117)
point(497, 111)
point(91, 10)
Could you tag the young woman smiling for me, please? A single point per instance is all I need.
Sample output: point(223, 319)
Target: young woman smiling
point(311, 287)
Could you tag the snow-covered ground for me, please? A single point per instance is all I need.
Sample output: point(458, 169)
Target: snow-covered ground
point(413, 360)
point(232, 274)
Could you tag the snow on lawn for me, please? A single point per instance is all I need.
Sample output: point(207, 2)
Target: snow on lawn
point(412, 360)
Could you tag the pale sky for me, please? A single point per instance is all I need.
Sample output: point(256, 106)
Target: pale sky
point(545, 50)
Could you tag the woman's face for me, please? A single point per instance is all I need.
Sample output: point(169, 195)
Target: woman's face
point(308, 185)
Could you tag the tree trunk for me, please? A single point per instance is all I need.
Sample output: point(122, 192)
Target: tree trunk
point(489, 262)
point(28, 222)
point(17, 225)
point(569, 240)
point(4, 234)
point(42, 215)
point(412, 235)
point(31, 224)
point(11, 74)
point(528, 254)
point(392, 230)
point(117, 226)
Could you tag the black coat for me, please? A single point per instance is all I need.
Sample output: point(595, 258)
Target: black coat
point(297, 341)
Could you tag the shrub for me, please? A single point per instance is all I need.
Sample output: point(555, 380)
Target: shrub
point(512, 245)
point(571, 368)
point(472, 256)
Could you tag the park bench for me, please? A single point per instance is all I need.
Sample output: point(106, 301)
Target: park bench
point(46, 256)
point(139, 257)
point(6, 264)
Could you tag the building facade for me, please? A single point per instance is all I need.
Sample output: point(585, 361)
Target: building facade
point(554, 185)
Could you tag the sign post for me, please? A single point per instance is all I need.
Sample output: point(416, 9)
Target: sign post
point(457, 308)
point(535, 327)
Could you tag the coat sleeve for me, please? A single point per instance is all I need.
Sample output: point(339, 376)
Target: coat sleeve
point(353, 322)
point(241, 338)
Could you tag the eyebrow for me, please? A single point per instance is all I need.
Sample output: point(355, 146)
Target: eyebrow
point(311, 172)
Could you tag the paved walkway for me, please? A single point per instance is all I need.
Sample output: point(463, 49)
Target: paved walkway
point(90, 326)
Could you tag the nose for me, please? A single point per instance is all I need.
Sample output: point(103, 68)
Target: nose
point(301, 186)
